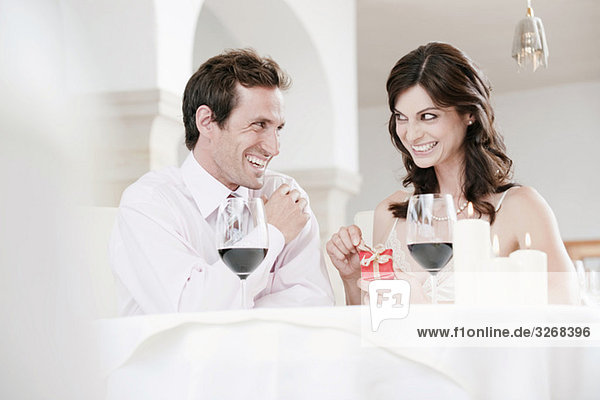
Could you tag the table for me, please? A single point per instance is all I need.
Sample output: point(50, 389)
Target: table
point(328, 353)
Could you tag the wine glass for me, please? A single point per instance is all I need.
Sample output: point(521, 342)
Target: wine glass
point(273, 182)
point(429, 220)
point(242, 236)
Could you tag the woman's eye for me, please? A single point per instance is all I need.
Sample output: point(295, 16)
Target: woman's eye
point(400, 118)
point(428, 117)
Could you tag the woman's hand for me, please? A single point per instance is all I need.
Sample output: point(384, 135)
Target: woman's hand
point(343, 252)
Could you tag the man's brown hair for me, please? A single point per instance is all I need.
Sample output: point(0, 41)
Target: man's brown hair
point(214, 85)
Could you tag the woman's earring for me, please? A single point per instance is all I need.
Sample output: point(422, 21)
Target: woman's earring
point(470, 122)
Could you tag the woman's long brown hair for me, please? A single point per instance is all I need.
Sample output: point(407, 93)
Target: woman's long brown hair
point(452, 80)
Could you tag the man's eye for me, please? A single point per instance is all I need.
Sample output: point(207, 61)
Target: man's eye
point(260, 124)
point(428, 117)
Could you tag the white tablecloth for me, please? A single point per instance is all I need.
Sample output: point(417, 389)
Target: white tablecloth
point(324, 353)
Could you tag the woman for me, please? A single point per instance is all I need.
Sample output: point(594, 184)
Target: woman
point(443, 124)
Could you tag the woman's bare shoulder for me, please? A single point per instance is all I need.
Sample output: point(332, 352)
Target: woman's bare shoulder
point(397, 197)
point(384, 219)
point(524, 198)
point(523, 205)
point(527, 212)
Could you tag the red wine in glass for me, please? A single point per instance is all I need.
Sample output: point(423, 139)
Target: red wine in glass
point(431, 256)
point(242, 236)
point(242, 260)
point(430, 220)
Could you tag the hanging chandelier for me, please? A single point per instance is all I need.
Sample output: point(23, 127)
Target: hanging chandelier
point(529, 45)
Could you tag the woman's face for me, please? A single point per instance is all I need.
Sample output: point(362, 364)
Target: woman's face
point(433, 136)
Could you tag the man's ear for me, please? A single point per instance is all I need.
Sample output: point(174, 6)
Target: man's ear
point(204, 120)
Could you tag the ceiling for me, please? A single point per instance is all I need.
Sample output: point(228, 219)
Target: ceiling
point(388, 29)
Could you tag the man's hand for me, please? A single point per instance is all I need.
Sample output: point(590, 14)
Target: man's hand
point(285, 211)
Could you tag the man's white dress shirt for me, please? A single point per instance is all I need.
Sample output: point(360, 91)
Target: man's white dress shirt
point(164, 257)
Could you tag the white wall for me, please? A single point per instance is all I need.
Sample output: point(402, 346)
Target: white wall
point(379, 162)
point(110, 45)
point(44, 293)
point(552, 135)
point(332, 27)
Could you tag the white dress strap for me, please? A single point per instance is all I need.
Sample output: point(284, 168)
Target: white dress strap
point(501, 200)
point(393, 231)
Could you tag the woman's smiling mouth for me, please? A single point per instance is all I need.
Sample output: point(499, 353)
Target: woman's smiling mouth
point(423, 148)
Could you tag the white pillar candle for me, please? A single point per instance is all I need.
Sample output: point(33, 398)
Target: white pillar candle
point(499, 282)
point(471, 250)
point(533, 267)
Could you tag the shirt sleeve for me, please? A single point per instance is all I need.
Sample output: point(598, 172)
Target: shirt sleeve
point(160, 271)
point(300, 277)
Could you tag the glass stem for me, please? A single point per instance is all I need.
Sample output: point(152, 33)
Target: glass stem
point(433, 289)
point(244, 302)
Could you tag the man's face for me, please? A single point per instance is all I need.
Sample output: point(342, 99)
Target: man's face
point(249, 139)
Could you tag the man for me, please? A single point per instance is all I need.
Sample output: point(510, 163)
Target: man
point(163, 250)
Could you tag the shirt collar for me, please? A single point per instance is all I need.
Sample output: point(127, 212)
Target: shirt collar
point(207, 191)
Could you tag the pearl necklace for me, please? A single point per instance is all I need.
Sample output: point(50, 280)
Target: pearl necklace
point(460, 209)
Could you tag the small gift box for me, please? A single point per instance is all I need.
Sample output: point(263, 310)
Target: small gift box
point(376, 263)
